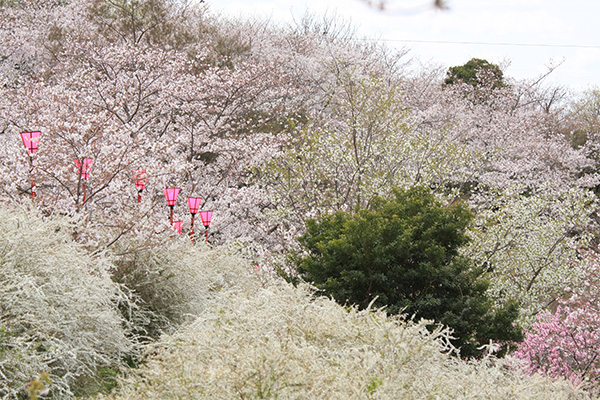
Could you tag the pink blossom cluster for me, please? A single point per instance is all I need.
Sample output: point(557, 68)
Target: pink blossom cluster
point(566, 343)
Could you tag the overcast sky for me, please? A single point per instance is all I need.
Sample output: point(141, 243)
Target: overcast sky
point(530, 34)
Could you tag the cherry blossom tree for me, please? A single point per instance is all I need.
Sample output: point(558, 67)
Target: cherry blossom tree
point(526, 243)
point(108, 90)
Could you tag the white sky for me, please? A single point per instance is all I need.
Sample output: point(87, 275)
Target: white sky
point(534, 33)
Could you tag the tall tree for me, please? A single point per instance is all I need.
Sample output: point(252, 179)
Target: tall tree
point(476, 72)
point(403, 254)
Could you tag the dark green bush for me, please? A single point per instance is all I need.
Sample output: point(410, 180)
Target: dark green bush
point(403, 254)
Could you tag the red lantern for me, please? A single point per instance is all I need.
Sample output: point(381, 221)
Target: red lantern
point(171, 197)
point(178, 225)
point(206, 216)
point(194, 205)
point(31, 141)
point(84, 167)
point(139, 175)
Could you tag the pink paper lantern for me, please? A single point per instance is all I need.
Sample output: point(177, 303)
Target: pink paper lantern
point(171, 196)
point(206, 216)
point(194, 204)
point(85, 167)
point(139, 175)
point(31, 141)
point(178, 225)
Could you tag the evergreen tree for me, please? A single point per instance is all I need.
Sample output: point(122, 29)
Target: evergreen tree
point(476, 72)
point(403, 253)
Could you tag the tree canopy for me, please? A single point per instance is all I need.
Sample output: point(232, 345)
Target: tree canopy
point(403, 253)
point(476, 72)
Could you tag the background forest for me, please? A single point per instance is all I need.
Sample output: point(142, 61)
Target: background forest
point(467, 200)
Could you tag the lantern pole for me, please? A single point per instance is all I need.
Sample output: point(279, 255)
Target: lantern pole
point(192, 228)
point(31, 177)
point(206, 217)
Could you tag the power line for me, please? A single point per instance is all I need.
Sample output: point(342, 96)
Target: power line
point(571, 46)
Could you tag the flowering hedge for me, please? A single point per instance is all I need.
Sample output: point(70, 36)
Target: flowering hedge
point(278, 341)
point(59, 308)
point(564, 344)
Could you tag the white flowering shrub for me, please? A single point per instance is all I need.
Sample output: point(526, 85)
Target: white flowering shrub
point(526, 243)
point(277, 341)
point(172, 284)
point(59, 308)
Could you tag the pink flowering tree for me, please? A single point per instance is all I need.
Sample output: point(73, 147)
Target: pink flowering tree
point(566, 342)
point(136, 85)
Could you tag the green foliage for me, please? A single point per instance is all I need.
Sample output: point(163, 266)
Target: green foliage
point(172, 284)
point(578, 138)
point(131, 20)
point(8, 3)
point(403, 253)
point(376, 145)
point(104, 380)
point(172, 25)
point(156, 22)
point(476, 72)
point(583, 123)
point(38, 387)
point(585, 110)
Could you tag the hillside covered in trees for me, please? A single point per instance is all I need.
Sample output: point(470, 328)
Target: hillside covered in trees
point(377, 232)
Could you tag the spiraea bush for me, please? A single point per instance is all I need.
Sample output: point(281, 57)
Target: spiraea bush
point(241, 333)
point(59, 307)
point(276, 341)
point(172, 284)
